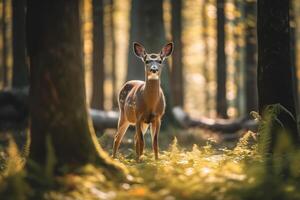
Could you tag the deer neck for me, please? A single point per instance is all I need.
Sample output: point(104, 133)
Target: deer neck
point(151, 91)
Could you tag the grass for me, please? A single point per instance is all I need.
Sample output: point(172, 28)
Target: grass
point(202, 172)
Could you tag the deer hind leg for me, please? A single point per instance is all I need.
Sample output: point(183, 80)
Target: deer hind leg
point(155, 128)
point(139, 140)
point(122, 127)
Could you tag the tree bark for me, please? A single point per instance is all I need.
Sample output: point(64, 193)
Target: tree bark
point(251, 57)
point(58, 107)
point(275, 73)
point(20, 70)
point(177, 81)
point(98, 56)
point(221, 61)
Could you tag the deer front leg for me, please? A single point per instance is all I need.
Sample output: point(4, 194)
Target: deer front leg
point(139, 140)
point(122, 127)
point(155, 128)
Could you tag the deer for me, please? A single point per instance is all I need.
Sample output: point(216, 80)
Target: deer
point(142, 103)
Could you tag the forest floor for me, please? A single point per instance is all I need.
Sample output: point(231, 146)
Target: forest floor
point(232, 171)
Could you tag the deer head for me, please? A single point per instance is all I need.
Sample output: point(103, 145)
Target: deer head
point(153, 62)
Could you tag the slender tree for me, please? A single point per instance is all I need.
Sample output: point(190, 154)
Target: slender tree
point(206, 51)
point(4, 45)
point(221, 61)
point(276, 77)
point(177, 82)
point(20, 70)
point(98, 56)
point(250, 56)
point(113, 55)
point(293, 43)
point(59, 118)
point(239, 63)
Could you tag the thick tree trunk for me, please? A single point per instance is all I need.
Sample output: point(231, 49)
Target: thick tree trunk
point(98, 56)
point(251, 57)
point(57, 91)
point(177, 82)
point(20, 70)
point(147, 27)
point(221, 61)
point(275, 72)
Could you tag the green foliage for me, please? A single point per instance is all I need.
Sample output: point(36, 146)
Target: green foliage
point(12, 184)
point(203, 172)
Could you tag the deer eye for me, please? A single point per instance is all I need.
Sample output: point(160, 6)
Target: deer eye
point(159, 61)
point(147, 61)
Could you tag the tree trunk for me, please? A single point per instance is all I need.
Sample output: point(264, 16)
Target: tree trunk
point(20, 70)
point(206, 54)
point(4, 45)
point(239, 60)
point(113, 58)
point(275, 72)
point(250, 57)
point(293, 43)
point(147, 27)
point(221, 61)
point(177, 82)
point(58, 107)
point(98, 56)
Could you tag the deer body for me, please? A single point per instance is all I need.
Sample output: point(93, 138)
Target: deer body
point(142, 103)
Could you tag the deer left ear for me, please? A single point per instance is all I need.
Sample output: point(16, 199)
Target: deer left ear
point(139, 50)
point(167, 50)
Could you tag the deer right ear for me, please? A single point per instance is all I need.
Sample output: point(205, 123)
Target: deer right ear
point(139, 50)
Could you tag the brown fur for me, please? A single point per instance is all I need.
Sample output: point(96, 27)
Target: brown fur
point(141, 103)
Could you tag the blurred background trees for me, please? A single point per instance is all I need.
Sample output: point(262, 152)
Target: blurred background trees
point(213, 69)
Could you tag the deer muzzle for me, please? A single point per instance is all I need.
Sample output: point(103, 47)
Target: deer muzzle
point(154, 69)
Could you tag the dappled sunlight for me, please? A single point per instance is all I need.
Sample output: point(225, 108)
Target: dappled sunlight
point(216, 118)
point(202, 173)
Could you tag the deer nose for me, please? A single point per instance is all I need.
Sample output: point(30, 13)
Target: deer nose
point(154, 69)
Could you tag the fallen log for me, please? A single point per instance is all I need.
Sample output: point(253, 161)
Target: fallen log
point(14, 112)
point(11, 118)
point(104, 119)
point(219, 125)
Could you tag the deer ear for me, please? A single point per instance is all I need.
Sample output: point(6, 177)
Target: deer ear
point(167, 50)
point(139, 50)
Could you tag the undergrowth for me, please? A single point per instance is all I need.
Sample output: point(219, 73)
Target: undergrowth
point(202, 173)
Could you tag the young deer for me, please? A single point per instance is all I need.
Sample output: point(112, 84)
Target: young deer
point(143, 103)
